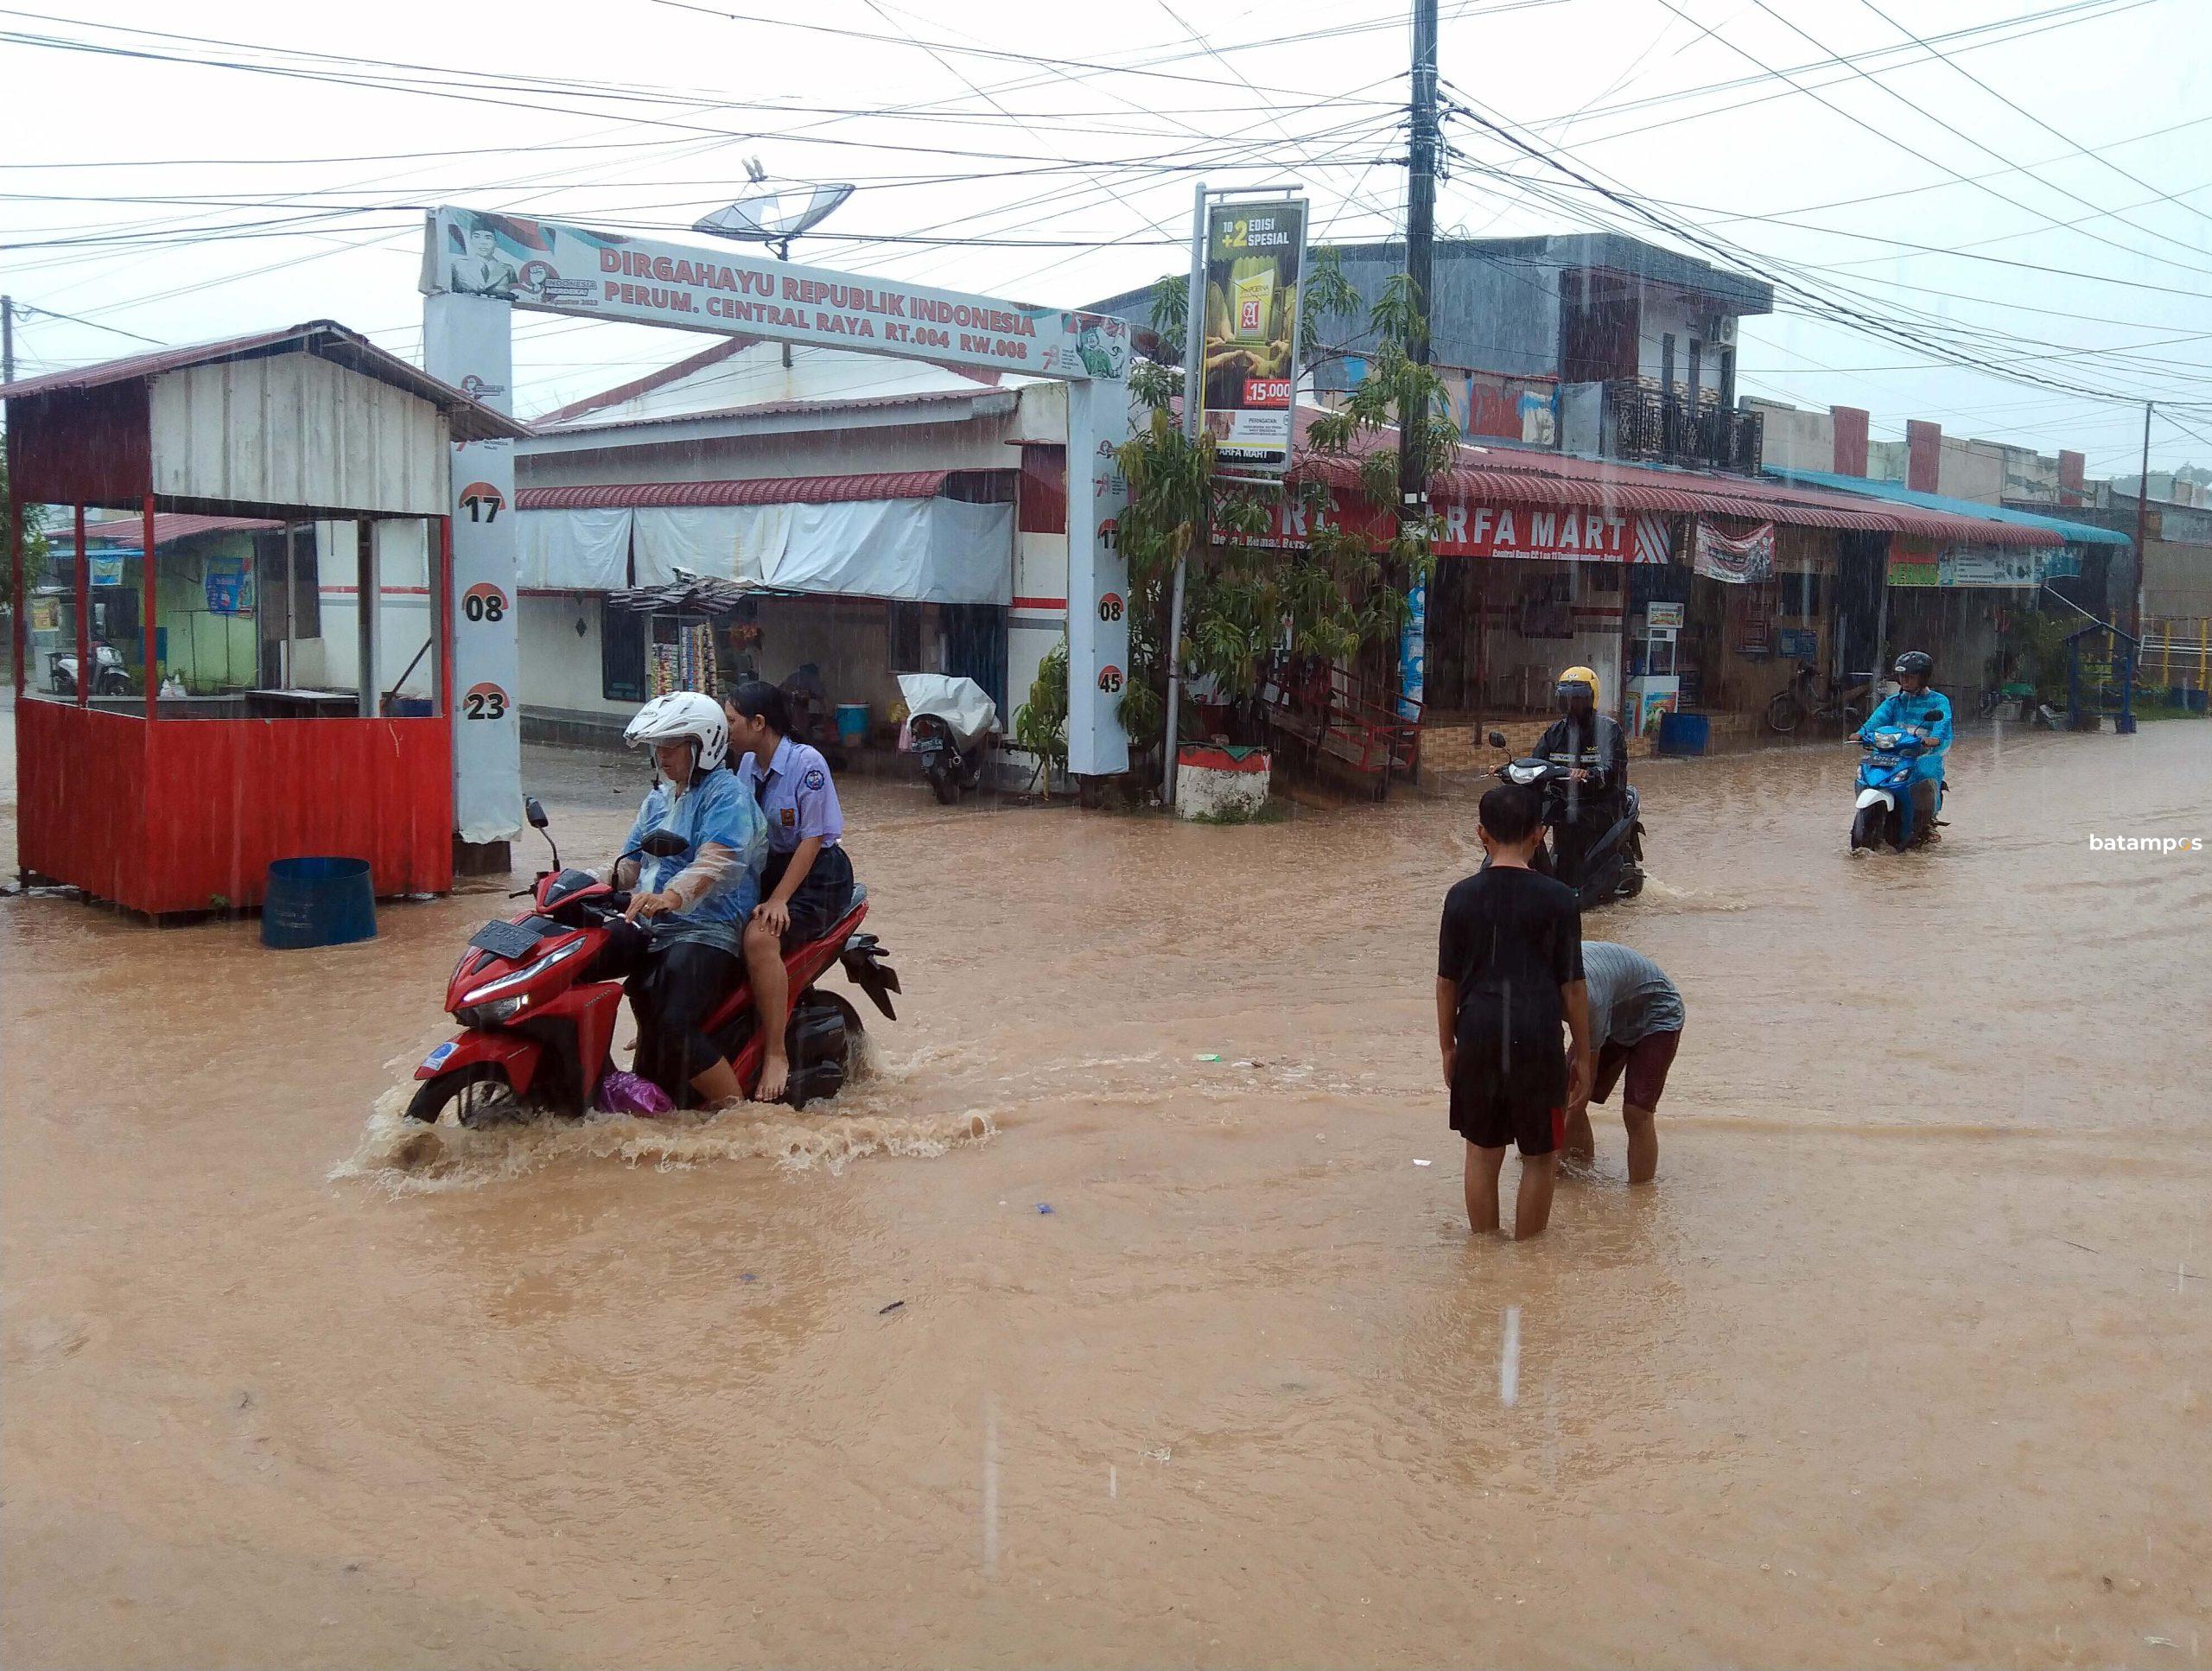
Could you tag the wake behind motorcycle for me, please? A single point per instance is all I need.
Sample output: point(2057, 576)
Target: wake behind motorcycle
point(1885, 815)
point(1614, 867)
point(540, 1033)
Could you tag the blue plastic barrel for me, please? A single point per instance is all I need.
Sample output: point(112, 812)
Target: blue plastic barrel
point(1684, 733)
point(318, 902)
point(852, 723)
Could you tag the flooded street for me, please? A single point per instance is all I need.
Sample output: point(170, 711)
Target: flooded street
point(1063, 1342)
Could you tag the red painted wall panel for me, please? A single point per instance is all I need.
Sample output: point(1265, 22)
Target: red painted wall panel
point(1923, 463)
point(1041, 495)
point(78, 775)
point(220, 798)
point(1851, 425)
point(82, 447)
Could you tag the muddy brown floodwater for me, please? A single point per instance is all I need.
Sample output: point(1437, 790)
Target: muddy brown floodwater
point(1905, 1359)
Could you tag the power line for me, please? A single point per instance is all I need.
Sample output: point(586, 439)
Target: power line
point(2023, 110)
point(1914, 151)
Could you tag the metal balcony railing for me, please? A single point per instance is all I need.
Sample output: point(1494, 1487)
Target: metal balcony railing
point(1645, 423)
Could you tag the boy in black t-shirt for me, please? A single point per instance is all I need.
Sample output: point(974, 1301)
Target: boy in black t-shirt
point(1509, 970)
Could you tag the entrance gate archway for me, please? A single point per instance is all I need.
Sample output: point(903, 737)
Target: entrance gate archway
point(478, 268)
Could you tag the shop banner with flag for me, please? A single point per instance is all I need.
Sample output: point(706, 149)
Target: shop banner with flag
point(1738, 561)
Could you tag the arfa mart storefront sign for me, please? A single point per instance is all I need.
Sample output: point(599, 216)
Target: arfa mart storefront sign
point(1537, 532)
point(552, 268)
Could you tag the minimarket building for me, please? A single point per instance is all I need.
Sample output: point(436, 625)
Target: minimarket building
point(1686, 591)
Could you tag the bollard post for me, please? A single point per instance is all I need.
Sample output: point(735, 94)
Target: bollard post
point(2125, 724)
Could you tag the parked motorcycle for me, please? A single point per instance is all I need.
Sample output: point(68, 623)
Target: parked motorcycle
point(540, 1033)
point(951, 725)
point(1614, 867)
point(109, 677)
point(1885, 814)
point(1841, 703)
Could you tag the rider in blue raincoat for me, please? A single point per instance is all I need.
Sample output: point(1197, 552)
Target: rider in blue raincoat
point(1926, 714)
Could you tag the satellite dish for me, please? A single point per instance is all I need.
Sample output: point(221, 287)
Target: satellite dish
point(774, 217)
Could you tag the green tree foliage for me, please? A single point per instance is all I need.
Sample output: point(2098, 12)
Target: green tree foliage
point(1248, 601)
point(1041, 725)
point(38, 550)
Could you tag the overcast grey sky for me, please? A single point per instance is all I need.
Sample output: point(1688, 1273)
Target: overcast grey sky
point(2039, 195)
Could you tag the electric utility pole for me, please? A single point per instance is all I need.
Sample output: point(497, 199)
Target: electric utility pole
point(1420, 233)
point(7, 339)
point(2142, 527)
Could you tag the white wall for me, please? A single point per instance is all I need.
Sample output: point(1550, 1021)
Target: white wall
point(1794, 439)
point(849, 638)
point(296, 429)
point(403, 619)
point(560, 670)
point(1660, 312)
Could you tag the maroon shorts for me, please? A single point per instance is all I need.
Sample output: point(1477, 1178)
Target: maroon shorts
point(1646, 1062)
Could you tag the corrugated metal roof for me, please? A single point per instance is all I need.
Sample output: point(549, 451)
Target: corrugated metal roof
point(169, 526)
point(1513, 476)
point(471, 420)
point(1000, 399)
point(1895, 492)
point(767, 490)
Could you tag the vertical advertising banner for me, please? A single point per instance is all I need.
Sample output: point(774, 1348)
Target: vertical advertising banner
point(468, 341)
point(1098, 576)
point(1254, 255)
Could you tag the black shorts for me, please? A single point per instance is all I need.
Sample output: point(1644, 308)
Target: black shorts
point(1523, 1100)
point(819, 901)
point(1645, 1063)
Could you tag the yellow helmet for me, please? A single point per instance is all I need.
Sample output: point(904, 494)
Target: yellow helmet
point(1581, 676)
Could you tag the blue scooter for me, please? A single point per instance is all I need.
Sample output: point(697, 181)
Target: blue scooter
point(1886, 816)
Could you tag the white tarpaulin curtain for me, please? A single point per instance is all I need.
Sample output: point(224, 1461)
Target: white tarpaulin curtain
point(932, 550)
point(573, 550)
point(721, 542)
point(917, 551)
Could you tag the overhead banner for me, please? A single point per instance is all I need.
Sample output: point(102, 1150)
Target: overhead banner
point(1919, 562)
point(1254, 255)
point(557, 269)
point(1737, 561)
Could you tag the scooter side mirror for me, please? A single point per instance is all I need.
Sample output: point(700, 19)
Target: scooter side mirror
point(663, 844)
point(534, 812)
point(1497, 740)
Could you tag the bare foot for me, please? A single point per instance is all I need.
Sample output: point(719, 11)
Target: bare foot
point(775, 1079)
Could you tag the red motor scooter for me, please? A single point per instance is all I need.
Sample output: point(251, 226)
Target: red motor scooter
point(539, 1033)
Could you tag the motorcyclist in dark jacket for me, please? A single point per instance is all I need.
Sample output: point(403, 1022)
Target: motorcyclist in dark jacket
point(1594, 750)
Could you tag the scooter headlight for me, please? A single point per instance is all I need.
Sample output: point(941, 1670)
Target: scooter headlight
point(491, 1015)
point(1525, 774)
point(522, 977)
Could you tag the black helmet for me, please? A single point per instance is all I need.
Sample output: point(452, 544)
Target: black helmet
point(1916, 661)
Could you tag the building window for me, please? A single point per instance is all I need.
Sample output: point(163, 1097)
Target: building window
point(907, 636)
point(1801, 597)
point(621, 655)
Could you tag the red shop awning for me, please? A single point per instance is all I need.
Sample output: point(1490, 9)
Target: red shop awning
point(768, 490)
point(1500, 475)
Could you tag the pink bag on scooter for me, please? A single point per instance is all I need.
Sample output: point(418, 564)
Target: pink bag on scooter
point(622, 1092)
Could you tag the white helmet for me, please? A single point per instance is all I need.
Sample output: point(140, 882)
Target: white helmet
point(683, 714)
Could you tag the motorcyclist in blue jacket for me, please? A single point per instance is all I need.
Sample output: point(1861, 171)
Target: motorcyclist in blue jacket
point(1925, 713)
